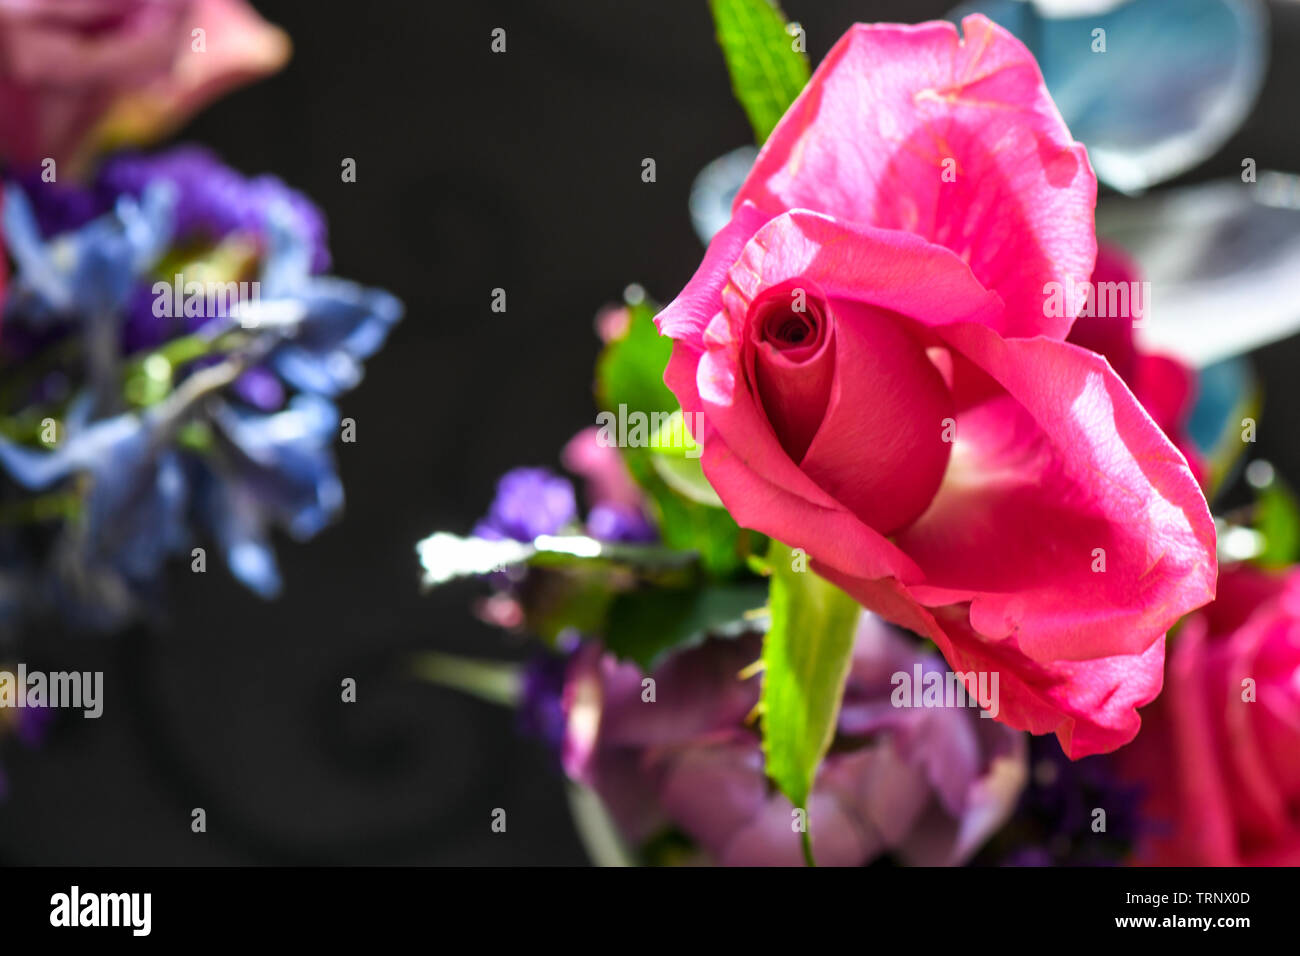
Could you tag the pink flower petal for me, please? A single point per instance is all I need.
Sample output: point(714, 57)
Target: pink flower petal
point(892, 108)
point(1061, 475)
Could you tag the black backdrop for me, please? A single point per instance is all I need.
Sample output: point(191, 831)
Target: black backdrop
point(475, 171)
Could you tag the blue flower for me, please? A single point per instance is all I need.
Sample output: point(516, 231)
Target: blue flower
point(337, 324)
point(248, 391)
point(88, 273)
point(268, 471)
point(132, 510)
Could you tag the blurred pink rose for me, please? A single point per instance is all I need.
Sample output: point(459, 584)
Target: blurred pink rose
point(884, 382)
point(1220, 752)
point(77, 73)
point(1164, 385)
point(608, 482)
point(927, 785)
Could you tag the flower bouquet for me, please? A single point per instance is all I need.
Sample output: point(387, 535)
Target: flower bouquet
point(889, 517)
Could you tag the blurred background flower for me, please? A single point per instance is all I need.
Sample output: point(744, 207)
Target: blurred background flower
point(1219, 756)
point(156, 429)
point(1152, 93)
point(79, 75)
point(675, 756)
point(151, 405)
point(394, 777)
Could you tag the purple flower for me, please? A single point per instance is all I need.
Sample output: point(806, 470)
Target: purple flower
point(620, 523)
point(541, 705)
point(529, 502)
point(213, 199)
point(1053, 824)
point(923, 785)
point(58, 206)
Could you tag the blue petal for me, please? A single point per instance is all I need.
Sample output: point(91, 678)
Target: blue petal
point(289, 253)
point(31, 254)
point(285, 461)
point(114, 441)
point(344, 323)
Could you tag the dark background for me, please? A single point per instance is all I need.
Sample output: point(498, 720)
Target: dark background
point(475, 171)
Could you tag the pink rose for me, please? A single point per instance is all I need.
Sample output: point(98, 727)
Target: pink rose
point(1220, 755)
point(74, 73)
point(882, 383)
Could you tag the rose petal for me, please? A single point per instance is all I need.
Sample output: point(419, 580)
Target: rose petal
point(885, 419)
point(1089, 704)
point(891, 108)
point(1063, 463)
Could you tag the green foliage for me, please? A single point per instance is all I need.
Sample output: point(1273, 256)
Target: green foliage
point(806, 658)
point(767, 72)
point(645, 625)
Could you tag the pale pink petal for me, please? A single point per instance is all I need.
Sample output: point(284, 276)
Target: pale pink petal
point(239, 47)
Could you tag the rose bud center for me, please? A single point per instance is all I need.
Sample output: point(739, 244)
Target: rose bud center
point(853, 399)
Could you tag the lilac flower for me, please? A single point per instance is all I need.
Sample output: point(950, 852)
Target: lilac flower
point(541, 704)
point(529, 502)
point(620, 523)
point(923, 785)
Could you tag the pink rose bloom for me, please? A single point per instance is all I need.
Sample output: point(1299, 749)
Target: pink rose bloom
point(1220, 754)
point(608, 482)
point(883, 384)
point(927, 785)
point(76, 72)
point(1165, 386)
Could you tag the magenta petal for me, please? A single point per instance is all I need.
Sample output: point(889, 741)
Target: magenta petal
point(1110, 335)
point(853, 261)
point(893, 108)
point(1091, 705)
point(783, 502)
point(689, 314)
point(793, 377)
point(885, 419)
point(1066, 517)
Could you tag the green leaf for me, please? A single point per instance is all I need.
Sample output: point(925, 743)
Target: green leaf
point(630, 373)
point(722, 545)
point(806, 657)
point(676, 459)
point(1277, 519)
point(644, 625)
point(766, 71)
point(497, 682)
point(630, 370)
